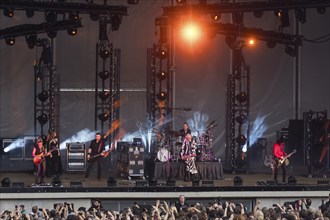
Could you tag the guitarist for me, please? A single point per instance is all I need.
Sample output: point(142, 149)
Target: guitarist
point(279, 154)
point(38, 153)
point(96, 147)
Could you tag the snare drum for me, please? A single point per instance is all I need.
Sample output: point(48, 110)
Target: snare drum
point(163, 155)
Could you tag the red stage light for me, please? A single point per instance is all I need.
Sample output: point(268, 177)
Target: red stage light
point(191, 32)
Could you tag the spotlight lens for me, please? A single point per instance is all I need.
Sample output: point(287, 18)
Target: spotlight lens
point(251, 41)
point(191, 32)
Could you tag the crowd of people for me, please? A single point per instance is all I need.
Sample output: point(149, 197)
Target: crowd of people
point(181, 209)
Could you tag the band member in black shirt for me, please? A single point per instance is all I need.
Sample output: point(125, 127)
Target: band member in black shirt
point(96, 151)
point(184, 131)
point(54, 166)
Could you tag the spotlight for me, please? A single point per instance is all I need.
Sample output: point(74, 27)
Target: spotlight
point(161, 53)
point(5, 182)
point(52, 34)
point(271, 44)
point(238, 181)
point(284, 17)
point(191, 32)
point(241, 139)
point(8, 12)
point(181, 1)
point(111, 181)
point(242, 97)
point(115, 21)
point(42, 119)
point(103, 116)
point(162, 75)
point(301, 15)
point(104, 53)
point(251, 41)
point(74, 16)
point(104, 74)
point(292, 180)
point(51, 17)
point(39, 76)
point(10, 41)
point(56, 182)
point(231, 41)
point(292, 51)
point(72, 31)
point(258, 14)
point(29, 13)
point(215, 17)
point(321, 10)
point(162, 96)
point(31, 40)
point(94, 16)
point(104, 95)
point(241, 119)
point(43, 96)
point(152, 182)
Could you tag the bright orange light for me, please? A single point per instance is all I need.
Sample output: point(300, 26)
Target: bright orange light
point(251, 42)
point(191, 32)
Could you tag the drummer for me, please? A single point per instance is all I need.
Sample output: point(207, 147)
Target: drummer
point(184, 131)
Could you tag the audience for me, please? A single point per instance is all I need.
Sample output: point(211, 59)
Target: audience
point(219, 210)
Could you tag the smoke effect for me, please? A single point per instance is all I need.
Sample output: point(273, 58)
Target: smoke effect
point(82, 136)
point(258, 129)
point(198, 123)
point(19, 143)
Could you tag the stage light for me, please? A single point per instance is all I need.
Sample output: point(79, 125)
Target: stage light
point(191, 32)
point(215, 17)
point(10, 41)
point(56, 182)
point(161, 53)
point(43, 96)
point(51, 17)
point(301, 15)
point(103, 116)
point(39, 76)
point(251, 41)
point(284, 17)
point(238, 181)
point(72, 31)
point(94, 16)
point(104, 95)
point(42, 119)
point(115, 21)
point(5, 182)
point(104, 53)
point(162, 75)
point(231, 41)
point(73, 16)
point(321, 10)
point(240, 139)
point(31, 40)
point(29, 13)
point(271, 44)
point(104, 74)
point(242, 97)
point(292, 180)
point(162, 96)
point(8, 12)
point(258, 14)
point(111, 181)
point(241, 119)
point(292, 51)
point(51, 34)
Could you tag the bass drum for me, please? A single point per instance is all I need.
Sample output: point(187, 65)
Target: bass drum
point(163, 155)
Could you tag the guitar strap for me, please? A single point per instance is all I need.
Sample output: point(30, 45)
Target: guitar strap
point(100, 145)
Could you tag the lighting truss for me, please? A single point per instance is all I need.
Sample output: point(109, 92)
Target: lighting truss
point(25, 29)
point(232, 7)
point(82, 8)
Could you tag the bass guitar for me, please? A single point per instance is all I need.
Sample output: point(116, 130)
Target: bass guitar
point(105, 153)
point(281, 161)
point(41, 157)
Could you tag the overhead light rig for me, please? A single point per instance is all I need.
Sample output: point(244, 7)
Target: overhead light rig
point(232, 7)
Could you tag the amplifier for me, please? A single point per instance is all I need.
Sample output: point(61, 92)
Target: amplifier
point(75, 147)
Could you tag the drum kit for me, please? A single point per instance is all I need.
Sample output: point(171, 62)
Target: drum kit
point(168, 145)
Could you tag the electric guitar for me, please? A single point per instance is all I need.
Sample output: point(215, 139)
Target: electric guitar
point(105, 153)
point(41, 157)
point(281, 161)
